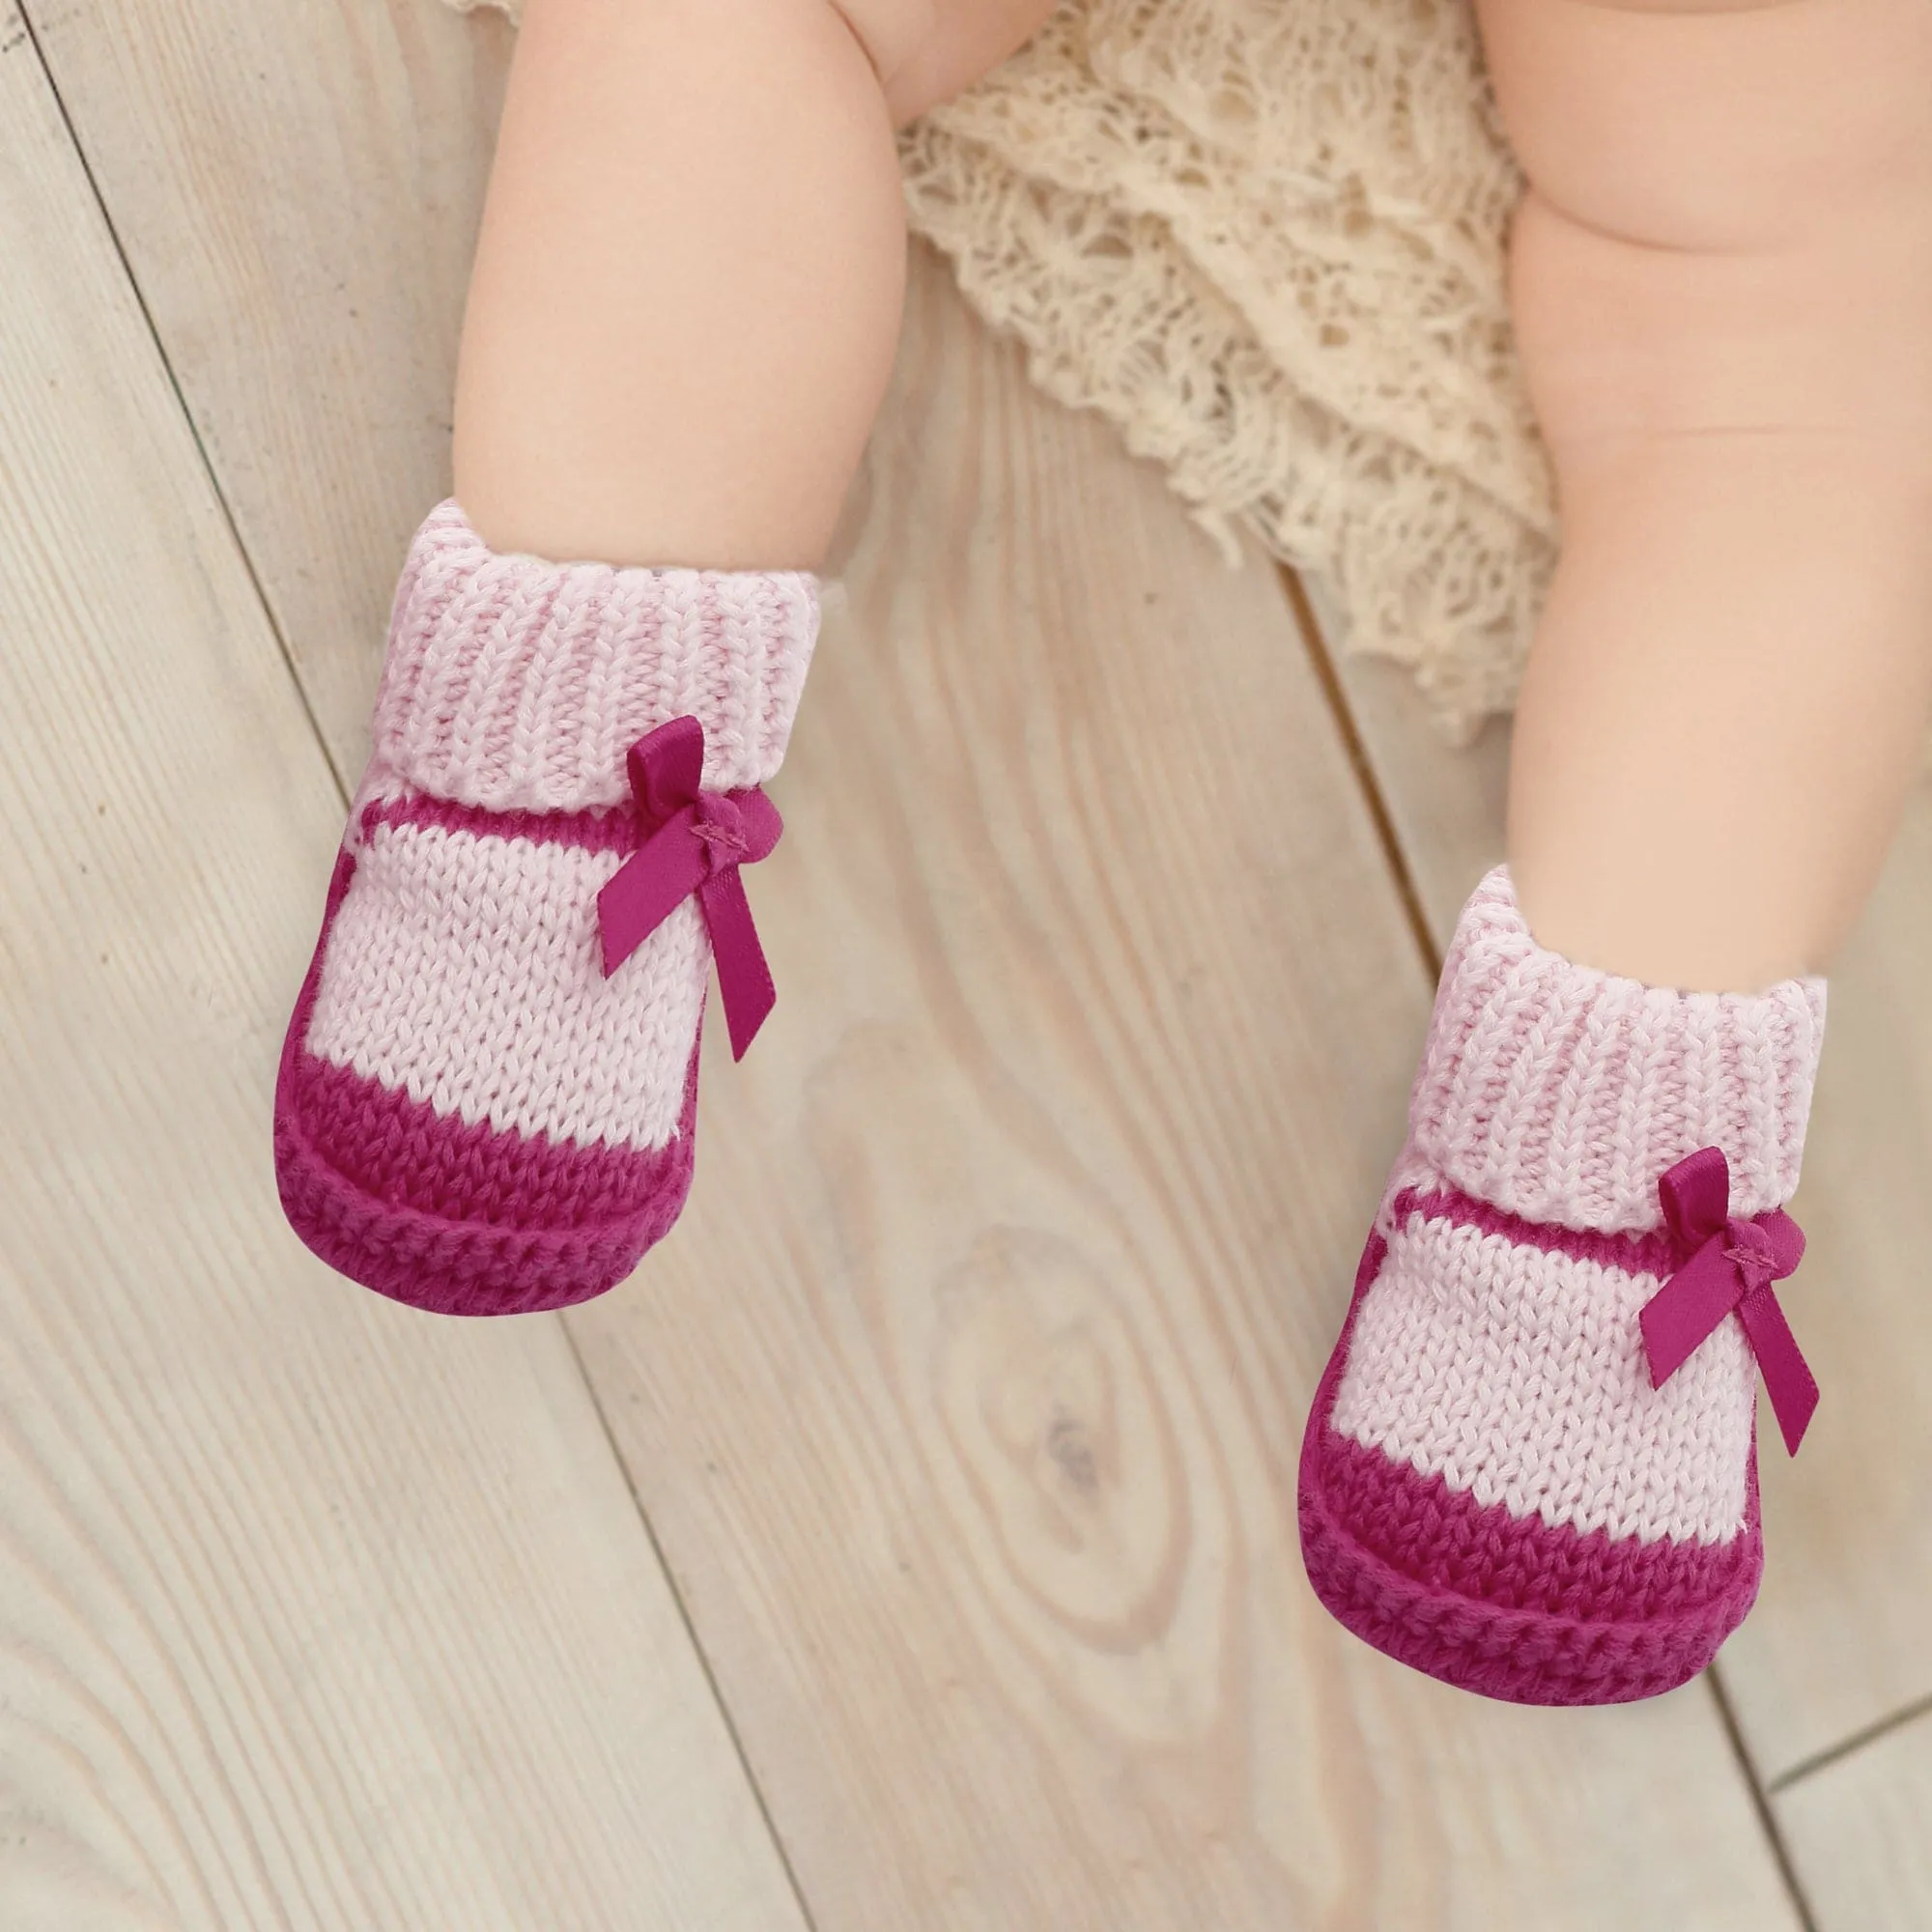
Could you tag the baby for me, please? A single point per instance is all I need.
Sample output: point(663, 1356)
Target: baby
point(1531, 1468)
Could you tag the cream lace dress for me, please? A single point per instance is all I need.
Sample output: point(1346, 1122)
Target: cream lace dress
point(1267, 238)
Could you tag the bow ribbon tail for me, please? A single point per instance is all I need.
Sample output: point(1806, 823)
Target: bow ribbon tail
point(1686, 1311)
point(744, 980)
point(648, 887)
point(1787, 1379)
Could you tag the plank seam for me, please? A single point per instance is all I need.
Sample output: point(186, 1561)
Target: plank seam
point(685, 1617)
point(1323, 660)
point(1855, 1741)
point(1761, 1802)
point(181, 398)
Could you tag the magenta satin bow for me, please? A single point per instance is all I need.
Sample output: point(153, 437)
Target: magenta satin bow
point(1734, 1265)
point(701, 838)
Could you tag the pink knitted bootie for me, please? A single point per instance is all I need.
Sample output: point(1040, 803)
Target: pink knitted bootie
point(1531, 1469)
point(488, 1091)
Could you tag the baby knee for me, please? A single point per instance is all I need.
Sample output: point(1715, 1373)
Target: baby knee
point(1725, 124)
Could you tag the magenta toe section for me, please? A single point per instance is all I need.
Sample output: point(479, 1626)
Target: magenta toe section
point(1506, 1605)
point(456, 1218)
point(463, 1220)
point(409, 1156)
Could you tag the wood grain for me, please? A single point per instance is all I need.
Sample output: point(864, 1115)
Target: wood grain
point(314, 1613)
point(298, 185)
point(1837, 1640)
point(1858, 1833)
point(966, 1400)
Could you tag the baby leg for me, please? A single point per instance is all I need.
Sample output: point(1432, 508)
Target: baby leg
point(1530, 1468)
point(682, 317)
point(689, 279)
point(687, 285)
point(1721, 279)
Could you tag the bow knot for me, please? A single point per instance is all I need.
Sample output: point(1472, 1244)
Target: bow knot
point(720, 824)
point(1752, 1251)
point(700, 838)
point(1731, 1261)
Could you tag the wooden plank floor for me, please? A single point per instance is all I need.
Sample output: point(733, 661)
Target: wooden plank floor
point(954, 1582)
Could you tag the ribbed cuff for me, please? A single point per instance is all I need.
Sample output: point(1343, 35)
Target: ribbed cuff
point(1561, 1093)
point(517, 684)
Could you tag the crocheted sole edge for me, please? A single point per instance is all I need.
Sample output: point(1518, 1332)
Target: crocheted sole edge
point(1515, 1657)
point(427, 1261)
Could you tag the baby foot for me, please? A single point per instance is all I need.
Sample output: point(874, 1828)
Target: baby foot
point(1530, 1469)
point(488, 1091)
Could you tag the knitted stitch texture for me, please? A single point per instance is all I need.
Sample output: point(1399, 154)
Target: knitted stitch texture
point(1492, 1490)
point(469, 1116)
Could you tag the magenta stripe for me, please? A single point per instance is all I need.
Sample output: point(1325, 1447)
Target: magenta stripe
point(1445, 1539)
point(1655, 1252)
point(616, 829)
point(407, 1155)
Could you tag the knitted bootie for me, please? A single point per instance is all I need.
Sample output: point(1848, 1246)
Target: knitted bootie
point(1531, 1469)
point(488, 1091)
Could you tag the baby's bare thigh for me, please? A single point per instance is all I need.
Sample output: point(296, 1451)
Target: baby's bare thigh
point(925, 51)
point(1729, 226)
point(1715, 123)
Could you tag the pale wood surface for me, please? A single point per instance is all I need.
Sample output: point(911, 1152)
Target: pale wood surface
point(965, 1401)
point(298, 184)
point(1838, 1638)
point(313, 1611)
point(1861, 1835)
